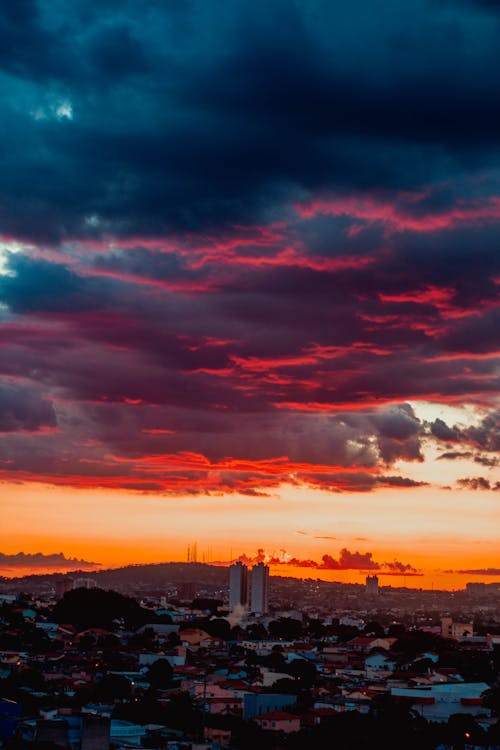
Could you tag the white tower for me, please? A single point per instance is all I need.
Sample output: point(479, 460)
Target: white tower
point(260, 589)
point(238, 585)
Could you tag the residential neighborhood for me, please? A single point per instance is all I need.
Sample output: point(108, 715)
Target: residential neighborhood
point(95, 669)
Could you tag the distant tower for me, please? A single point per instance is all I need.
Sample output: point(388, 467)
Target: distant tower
point(84, 583)
point(186, 591)
point(238, 585)
point(63, 585)
point(260, 589)
point(371, 587)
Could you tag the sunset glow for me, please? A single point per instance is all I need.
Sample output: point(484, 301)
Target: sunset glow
point(249, 289)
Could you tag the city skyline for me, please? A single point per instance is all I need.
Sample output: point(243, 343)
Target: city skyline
point(249, 287)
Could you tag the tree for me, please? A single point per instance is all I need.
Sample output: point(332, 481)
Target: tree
point(160, 674)
point(462, 730)
point(303, 671)
point(286, 685)
point(275, 660)
point(491, 699)
point(205, 603)
point(144, 640)
point(218, 627)
point(396, 630)
point(113, 687)
point(286, 627)
point(315, 628)
point(414, 642)
point(173, 640)
point(374, 629)
point(256, 631)
point(181, 713)
point(95, 607)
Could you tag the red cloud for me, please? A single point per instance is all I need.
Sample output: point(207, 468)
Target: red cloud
point(347, 560)
point(400, 215)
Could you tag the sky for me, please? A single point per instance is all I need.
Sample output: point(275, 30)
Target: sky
point(249, 286)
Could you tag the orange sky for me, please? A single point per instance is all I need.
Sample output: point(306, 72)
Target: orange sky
point(434, 530)
point(248, 299)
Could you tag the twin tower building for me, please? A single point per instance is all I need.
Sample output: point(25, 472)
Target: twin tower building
point(239, 594)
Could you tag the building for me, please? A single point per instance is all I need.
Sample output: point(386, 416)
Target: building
point(260, 589)
point(371, 586)
point(279, 721)
point(62, 586)
point(439, 702)
point(126, 733)
point(455, 630)
point(84, 583)
point(186, 591)
point(482, 589)
point(257, 704)
point(238, 585)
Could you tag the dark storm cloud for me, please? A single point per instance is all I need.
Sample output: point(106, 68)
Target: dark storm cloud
point(27, 48)
point(485, 435)
point(24, 408)
point(184, 118)
point(236, 241)
point(40, 286)
point(442, 431)
point(453, 455)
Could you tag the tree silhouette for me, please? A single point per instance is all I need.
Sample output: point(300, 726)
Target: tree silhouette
point(96, 607)
point(160, 674)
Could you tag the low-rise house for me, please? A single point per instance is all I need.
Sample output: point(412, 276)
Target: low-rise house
point(225, 706)
point(439, 702)
point(210, 690)
point(377, 661)
point(278, 721)
point(256, 704)
point(455, 630)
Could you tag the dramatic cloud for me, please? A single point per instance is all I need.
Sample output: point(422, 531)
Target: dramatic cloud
point(39, 560)
point(454, 455)
point(239, 247)
point(24, 408)
point(485, 435)
point(478, 483)
point(346, 561)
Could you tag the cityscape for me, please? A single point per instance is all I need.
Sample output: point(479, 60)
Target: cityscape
point(190, 656)
point(249, 375)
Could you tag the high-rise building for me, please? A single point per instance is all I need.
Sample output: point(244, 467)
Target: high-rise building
point(260, 589)
point(238, 585)
point(186, 591)
point(456, 630)
point(84, 583)
point(62, 585)
point(371, 587)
